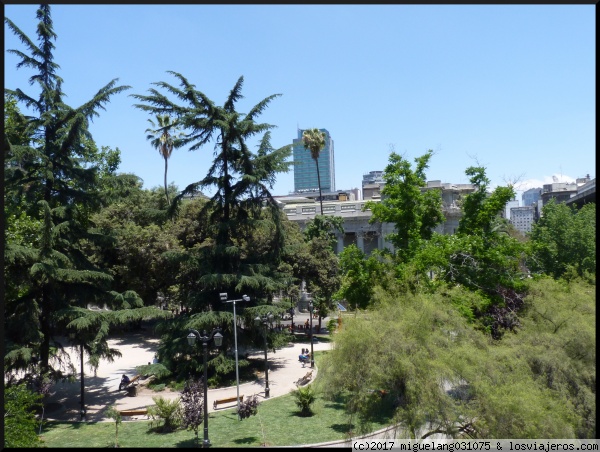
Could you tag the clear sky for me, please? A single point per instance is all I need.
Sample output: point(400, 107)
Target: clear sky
point(509, 87)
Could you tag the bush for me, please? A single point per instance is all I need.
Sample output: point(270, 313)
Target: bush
point(305, 397)
point(19, 417)
point(168, 412)
point(249, 407)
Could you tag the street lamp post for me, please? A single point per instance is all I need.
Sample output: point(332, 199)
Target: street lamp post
point(265, 320)
point(218, 337)
point(223, 297)
point(312, 353)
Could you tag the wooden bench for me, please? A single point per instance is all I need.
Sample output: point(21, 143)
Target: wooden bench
point(229, 400)
point(133, 382)
point(305, 379)
point(129, 413)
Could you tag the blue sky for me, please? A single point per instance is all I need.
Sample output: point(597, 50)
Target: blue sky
point(509, 87)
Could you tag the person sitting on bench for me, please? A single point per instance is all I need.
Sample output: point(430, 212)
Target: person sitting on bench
point(124, 382)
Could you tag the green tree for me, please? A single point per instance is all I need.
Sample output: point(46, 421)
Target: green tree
point(239, 240)
point(445, 377)
point(319, 267)
point(326, 227)
point(564, 238)
point(360, 276)
point(164, 137)
point(60, 191)
point(413, 211)
point(241, 181)
point(314, 141)
point(20, 422)
point(480, 208)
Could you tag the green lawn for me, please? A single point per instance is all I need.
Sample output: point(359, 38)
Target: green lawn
point(278, 423)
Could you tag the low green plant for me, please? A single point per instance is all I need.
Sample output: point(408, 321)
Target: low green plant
point(167, 412)
point(304, 397)
point(157, 387)
point(332, 326)
point(115, 415)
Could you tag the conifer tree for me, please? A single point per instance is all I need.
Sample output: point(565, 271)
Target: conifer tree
point(242, 202)
point(55, 178)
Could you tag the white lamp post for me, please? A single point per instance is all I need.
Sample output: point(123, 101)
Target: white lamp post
point(223, 297)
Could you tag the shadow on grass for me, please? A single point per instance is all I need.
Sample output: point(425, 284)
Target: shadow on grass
point(188, 444)
point(342, 428)
point(247, 440)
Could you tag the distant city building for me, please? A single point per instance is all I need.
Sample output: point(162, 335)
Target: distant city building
point(305, 169)
point(531, 196)
point(561, 191)
point(586, 193)
point(523, 218)
point(452, 197)
point(372, 184)
point(509, 205)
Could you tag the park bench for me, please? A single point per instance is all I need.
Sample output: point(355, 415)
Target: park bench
point(131, 387)
point(129, 413)
point(133, 382)
point(228, 400)
point(305, 379)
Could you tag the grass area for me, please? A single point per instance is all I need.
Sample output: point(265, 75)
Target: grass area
point(278, 423)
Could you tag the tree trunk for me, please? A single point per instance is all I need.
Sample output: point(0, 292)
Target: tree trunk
point(319, 181)
point(166, 191)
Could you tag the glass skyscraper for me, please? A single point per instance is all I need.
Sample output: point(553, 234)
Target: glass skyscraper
point(305, 169)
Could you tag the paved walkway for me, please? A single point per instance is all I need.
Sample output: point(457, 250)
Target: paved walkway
point(101, 389)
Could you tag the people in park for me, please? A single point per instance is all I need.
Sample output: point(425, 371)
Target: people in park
point(124, 382)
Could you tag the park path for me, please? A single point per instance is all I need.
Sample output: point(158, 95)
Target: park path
point(138, 349)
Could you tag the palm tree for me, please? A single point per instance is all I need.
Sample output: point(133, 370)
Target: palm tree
point(162, 140)
point(314, 140)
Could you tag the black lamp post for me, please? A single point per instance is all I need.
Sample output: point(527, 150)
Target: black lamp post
point(265, 320)
point(218, 337)
point(312, 353)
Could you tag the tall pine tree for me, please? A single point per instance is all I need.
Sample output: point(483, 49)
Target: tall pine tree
point(54, 177)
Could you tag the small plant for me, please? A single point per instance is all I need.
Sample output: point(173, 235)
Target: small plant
point(115, 415)
point(249, 407)
point(167, 411)
point(332, 326)
point(158, 387)
point(305, 397)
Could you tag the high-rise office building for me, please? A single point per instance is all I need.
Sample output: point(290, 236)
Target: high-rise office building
point(305, 169)
point(531, 196)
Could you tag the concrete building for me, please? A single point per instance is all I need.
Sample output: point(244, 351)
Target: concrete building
point(372, 184)
point(452, 195)
point(561, 191)
point(507, 209)
point(305, 170)
point(586, 193)
point(523, 218)
point(357, 229)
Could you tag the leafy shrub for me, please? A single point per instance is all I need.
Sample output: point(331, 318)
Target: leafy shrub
point(169, 412)
point(158, 387)
point(193, 405)
point(305, 397)
point(19, 417)
point(249, 407)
